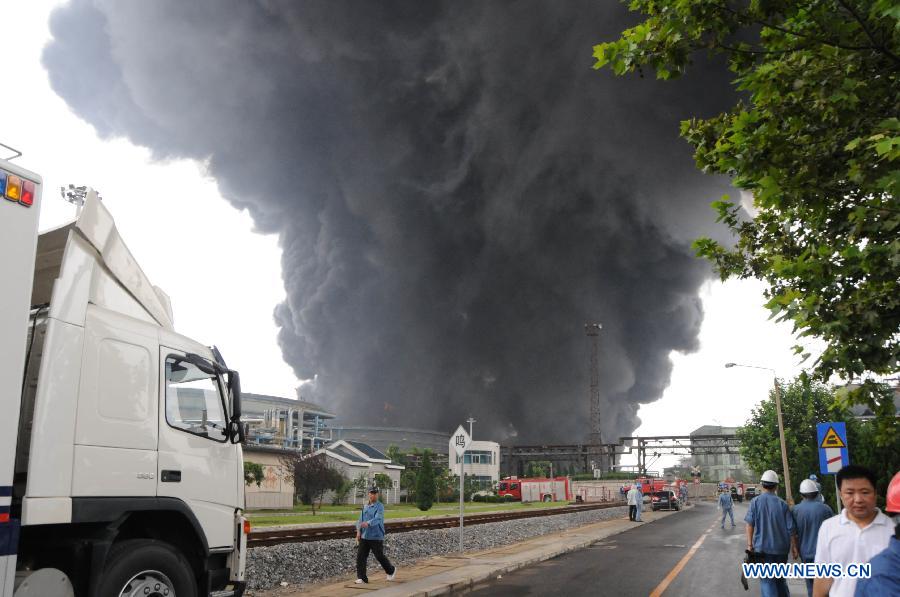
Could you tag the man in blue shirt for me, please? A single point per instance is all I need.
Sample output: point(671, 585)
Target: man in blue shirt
point(770, 532)
point(370, 537)
point(809, 516)
point(727, 505)
point(885, 579)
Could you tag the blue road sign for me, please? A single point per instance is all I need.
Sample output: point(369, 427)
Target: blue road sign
point(833, 451)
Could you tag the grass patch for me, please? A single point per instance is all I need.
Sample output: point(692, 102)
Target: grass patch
point(349, 513)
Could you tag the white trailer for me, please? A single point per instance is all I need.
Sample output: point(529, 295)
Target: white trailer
point(121, 470)
point(549, 490)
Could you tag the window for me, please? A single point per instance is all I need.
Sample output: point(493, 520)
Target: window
point(194, 400)
point(478, 457)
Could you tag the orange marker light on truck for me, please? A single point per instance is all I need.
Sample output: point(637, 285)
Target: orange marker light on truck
point(13, 188)
point(246, 527)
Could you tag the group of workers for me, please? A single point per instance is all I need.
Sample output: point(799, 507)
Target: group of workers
point(811, 532)
point(635, 499)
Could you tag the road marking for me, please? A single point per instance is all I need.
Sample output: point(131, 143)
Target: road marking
point(661, 587)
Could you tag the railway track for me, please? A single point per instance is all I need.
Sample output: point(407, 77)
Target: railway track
point(345, 531)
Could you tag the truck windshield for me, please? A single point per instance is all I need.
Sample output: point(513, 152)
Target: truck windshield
point(194, 400)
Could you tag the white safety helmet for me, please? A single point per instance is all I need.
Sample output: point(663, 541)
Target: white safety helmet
point(808, 486)
point(769, 477)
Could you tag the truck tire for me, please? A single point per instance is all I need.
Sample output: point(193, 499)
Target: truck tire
point(146, 568)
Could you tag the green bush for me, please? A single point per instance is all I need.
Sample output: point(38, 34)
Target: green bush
point(489, 499)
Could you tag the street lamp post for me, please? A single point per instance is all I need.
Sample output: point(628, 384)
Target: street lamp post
point(784, 459)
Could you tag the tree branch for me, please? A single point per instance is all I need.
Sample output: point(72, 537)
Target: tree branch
point(869, 34)
point(761, 52)
point(747, 18)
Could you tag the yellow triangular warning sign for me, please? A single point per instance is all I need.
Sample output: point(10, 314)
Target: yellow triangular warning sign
point(832, 439)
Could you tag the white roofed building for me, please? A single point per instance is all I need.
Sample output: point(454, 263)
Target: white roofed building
point(357, 459)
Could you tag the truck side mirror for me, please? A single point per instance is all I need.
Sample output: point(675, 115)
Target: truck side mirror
point(236, 429)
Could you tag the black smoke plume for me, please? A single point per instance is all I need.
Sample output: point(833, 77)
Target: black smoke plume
point(456, 192)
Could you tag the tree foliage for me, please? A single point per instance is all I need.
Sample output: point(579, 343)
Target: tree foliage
point(313, 476)
point(411, 459)
point(383, 482)
point(538, 468)
point(253, 473)
point(425, 484)
point(815, 139)
point(803, 404)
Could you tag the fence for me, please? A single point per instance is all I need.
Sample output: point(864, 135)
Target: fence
point(611, 491)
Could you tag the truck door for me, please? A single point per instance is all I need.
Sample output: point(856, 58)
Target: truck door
point(197, 463)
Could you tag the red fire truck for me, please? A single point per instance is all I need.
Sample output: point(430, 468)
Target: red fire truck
point(650, 484)
point(535, 489)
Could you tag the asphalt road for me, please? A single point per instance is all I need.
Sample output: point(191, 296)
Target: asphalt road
point(637, 561)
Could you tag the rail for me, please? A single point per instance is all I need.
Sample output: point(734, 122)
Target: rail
point(348, 531)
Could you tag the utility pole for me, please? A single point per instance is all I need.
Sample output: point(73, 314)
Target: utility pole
point(593, 332)
point(471, 420)
point(784, 457)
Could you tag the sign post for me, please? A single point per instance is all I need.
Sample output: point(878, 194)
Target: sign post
point(460, 442)
point(833, 451)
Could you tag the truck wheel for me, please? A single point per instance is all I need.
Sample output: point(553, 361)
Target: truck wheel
point(146, 568)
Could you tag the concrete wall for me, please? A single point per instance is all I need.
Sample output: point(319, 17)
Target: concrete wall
point(275, 492)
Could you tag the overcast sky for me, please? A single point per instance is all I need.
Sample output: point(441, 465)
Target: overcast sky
point(157, 206)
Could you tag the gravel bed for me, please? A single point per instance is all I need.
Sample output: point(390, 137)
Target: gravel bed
point(316, 561)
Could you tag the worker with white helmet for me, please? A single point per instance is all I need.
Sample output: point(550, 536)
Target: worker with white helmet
point(640, 502)
point(809, 516)
point(815, 480)
point(770, 533)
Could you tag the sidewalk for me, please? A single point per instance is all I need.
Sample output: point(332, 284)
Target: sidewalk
point(443, 574)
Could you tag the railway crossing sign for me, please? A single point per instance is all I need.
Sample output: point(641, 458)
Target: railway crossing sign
point(832, 443)
point(460, 440)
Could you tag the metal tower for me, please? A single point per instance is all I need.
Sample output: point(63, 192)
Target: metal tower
point(593, 331)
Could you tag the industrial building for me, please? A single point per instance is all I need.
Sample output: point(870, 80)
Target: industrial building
point(285, 422)
point(404, 438)
point(716, 467)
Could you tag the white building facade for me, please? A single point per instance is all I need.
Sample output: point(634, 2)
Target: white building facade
point(482, 460)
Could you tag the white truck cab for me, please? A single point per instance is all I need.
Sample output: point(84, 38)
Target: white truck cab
point(121, 472)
